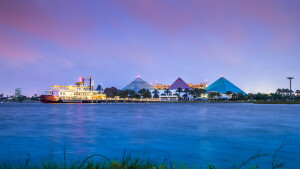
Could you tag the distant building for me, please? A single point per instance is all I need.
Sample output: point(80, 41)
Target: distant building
point(137, 85)
point(194, 86)
point(222, 86)
point(161, 86)
point(169, 98)
point(179, 83)
point(198, 86)
point(18, 92)
point(100, 88)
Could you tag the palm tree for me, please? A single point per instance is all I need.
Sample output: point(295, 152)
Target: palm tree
point(298, 92)
point(179, 90)
point(279, 91)
point(286, 91)
point(167, 91)
point(234, 95)
point(197, 92)
point(192, 93)
point(212, 95)
point(228, 93)
point(186, 91)
point(156, 93)
point(201, 92)
point(132, 93)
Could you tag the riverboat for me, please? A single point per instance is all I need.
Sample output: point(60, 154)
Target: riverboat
point(81, 92)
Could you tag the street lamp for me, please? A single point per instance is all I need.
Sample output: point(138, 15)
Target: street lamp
point(290, 78)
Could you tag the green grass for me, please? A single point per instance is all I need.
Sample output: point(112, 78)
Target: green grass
point(276, 102)
point(98, 161)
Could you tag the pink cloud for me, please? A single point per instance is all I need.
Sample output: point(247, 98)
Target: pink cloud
point(15, 50)
point(34, 19)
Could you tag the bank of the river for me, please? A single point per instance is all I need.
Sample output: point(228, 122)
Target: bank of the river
point(276, 102)
point(211, 101)
point(98, 161)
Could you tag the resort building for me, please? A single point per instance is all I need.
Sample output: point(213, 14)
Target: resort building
point(169, 98)
point(222, 86)
point(198, 86)
point(138, 84)
point(161, 86)
point(179, 83)
point(194, 86)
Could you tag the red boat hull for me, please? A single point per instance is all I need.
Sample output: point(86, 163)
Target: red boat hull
point(49, 99)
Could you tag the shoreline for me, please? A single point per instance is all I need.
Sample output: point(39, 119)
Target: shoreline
point(201, 102)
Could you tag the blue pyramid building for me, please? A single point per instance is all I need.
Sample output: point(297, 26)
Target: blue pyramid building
point(222, 85)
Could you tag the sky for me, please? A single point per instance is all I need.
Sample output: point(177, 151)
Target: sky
point(253, 43)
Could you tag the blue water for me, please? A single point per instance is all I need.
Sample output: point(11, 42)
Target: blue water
point(223, 134)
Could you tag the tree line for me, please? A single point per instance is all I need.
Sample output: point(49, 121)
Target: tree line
point(186, 94)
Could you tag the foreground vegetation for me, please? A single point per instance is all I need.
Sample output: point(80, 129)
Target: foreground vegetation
point(98, 161)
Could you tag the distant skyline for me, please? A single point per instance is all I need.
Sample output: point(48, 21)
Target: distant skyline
point(255, 44)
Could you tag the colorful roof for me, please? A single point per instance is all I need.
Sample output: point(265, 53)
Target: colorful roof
point(179, 83)
point(137, 85)
point(222, 85)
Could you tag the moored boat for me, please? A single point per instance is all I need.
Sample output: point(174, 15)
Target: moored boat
point(81, 92)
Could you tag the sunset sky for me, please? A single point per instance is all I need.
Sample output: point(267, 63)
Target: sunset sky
point(255, 44)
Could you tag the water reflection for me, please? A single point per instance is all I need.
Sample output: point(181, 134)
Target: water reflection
point(197, 133)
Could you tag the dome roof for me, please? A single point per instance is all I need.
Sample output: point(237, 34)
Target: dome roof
point(137, 85)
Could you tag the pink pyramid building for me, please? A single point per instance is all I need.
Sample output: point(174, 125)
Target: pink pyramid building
point(179, 83)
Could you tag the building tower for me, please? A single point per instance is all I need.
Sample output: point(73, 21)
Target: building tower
point(290, 78)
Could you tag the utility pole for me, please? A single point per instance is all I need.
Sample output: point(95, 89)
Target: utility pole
point(290, 78)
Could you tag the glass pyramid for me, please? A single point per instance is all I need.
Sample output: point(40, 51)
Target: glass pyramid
point(179, 83)
point(137, 85)
point(222, 85)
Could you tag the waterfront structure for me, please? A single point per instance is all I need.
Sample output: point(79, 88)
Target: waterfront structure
point(81, 92)
point(100, 88)
point(222, 86)
point(290, 78)
point(169, 98)
point(194, 86)
point(138, 84)
point(161, 86)
point(198, 86)
point(179, 83)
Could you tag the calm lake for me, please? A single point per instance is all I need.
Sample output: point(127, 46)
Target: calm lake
point(222, 134)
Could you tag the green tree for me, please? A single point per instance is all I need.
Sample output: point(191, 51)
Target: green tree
point(228, 93)
point(167, 91)
point(142, 91)
point(186, 91)
point(145, 93)
point(279, 91)
point(197, 92)
point(111, 92)
point(156, 93)
point(179, 90)
point(132, 94)
point(202, 92)
point(297, 92)
point(240, 96)
point(234, 95)
point(192, 93)
point(125, 93)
